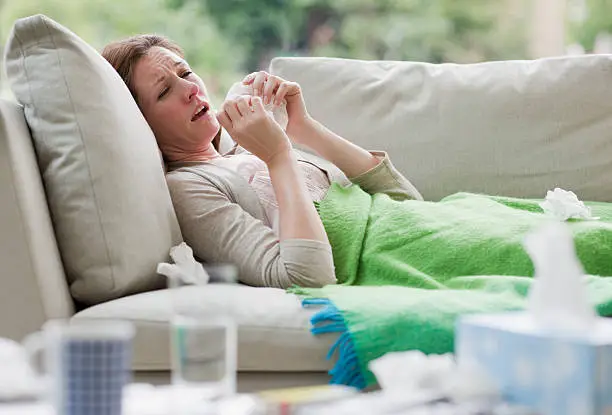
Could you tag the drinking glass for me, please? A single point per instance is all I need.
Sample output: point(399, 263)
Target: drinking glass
point(203, 345)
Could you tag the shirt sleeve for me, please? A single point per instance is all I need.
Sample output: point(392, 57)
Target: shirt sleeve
point(385, 178)
point(220, 231)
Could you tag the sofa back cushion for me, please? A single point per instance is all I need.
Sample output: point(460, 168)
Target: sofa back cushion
point(110, 206)
point(515, 128)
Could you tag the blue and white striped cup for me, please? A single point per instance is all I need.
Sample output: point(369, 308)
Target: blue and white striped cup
point(87, 365)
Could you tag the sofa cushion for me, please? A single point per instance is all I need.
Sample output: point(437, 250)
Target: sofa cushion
point(111, 209)
point(516, 128)
point(273, 328)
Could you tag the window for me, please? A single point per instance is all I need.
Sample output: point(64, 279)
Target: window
point(225, 39)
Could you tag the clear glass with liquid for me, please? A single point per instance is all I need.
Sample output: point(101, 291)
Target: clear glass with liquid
point(203, 359)
point(203, 348)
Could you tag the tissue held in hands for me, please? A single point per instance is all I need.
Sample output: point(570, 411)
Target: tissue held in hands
point(555, 358)
point(278, 113)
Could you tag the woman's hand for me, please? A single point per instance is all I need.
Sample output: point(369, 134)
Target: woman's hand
point(274, 89)
point(245, 119)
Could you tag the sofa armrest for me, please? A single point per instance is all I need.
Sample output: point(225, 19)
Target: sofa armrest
point(33, 287)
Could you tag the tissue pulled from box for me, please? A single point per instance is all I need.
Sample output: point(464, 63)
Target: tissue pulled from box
point(185, 267)
point(558, 297)
point(564, 205)
point(556, 357)
point(278, 113)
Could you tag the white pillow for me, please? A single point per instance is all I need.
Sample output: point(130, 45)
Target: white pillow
point(516, 128)
point(111, 209)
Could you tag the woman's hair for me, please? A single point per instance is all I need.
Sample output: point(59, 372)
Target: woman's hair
point(124, 54)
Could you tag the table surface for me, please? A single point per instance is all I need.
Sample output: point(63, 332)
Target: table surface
point(26, 408)
point(139, 399)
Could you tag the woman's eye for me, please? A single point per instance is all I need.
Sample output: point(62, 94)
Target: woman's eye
point(163, 93)
point(186, 74)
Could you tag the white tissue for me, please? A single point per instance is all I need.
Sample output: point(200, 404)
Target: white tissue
point(558, 297)
point(17, 378)
point(147, 399)
point(563, 205)
point(418, 373)
point(185, 267)
point(278, 113)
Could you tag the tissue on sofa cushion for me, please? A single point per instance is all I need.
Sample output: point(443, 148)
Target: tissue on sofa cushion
point(513, 128)
point(111, 209)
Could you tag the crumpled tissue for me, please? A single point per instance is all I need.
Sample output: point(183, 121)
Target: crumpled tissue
point(556, 357)
point(564, 205)
point(18, 380)
point(147, 399)
point(413, 373)
point(185, 268)
point(278, 113)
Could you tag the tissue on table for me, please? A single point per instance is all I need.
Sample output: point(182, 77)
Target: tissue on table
point(556, 357)
point(414, 373)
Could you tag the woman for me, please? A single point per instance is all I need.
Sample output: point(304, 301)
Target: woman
point(253, 206)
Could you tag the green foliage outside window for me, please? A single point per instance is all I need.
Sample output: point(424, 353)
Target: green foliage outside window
point(225, 39)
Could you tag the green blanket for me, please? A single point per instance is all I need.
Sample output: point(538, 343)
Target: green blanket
point(407, 269)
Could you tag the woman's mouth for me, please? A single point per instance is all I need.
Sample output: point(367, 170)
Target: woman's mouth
point(201, 112)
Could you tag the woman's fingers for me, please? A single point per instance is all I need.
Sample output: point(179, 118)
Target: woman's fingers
point(249, 78)
point(258, 83)
point(280, 94)
point(225, 120)
point(243, 105)
point(271, 85)
point(231, 110)
point(257, 104)
point(285, 89)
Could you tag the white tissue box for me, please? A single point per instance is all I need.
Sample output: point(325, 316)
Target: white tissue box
point(549, 372)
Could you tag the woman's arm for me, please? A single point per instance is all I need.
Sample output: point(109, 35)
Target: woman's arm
point(303, 129)
point(220, 231)
point(297, 214)
point(348, 157)
point(374, 173)
point(247, 122)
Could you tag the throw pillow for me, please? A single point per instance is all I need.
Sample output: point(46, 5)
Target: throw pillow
point(111, 209)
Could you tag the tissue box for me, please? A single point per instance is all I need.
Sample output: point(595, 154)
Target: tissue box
point(548, 372)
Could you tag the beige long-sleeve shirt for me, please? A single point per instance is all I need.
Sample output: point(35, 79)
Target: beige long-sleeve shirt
point(222, 219)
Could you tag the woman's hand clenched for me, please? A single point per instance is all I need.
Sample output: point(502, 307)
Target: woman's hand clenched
point(274, 90)
point(245, 119)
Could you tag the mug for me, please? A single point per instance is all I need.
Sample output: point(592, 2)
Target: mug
point(87, 364)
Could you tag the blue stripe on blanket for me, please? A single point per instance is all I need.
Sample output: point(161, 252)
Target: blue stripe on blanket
point(346, 371)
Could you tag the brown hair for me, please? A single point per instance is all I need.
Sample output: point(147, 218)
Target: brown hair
point(124, 54)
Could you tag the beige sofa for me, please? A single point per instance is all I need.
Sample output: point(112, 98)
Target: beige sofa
point(275, 346)
point(512, 128)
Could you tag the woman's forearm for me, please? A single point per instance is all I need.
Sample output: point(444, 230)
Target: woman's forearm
point(298, 217)
point(348, 157)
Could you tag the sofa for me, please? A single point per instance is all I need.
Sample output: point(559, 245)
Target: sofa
point(515, 128)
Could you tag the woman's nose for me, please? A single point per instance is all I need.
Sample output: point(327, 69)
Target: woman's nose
point(192, 90)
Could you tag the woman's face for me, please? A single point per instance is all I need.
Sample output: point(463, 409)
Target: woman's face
point(175, 104)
